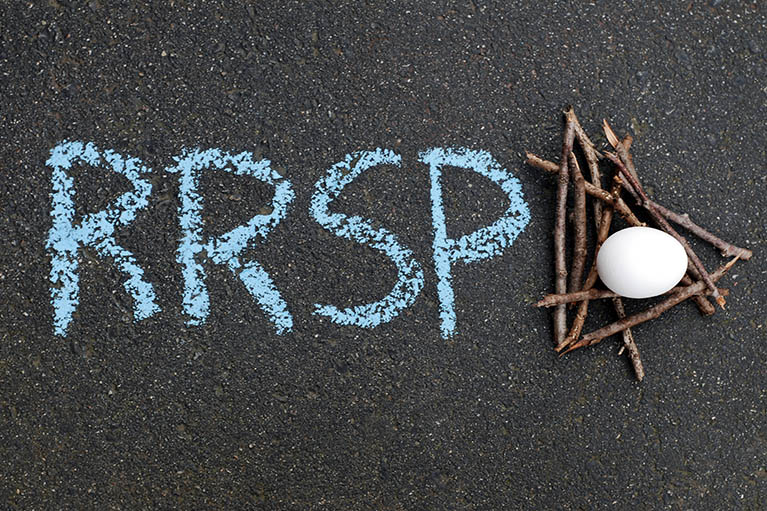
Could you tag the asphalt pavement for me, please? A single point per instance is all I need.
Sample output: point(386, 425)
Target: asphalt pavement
point(237, 268)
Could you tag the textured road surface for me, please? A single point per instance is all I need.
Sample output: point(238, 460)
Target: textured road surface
point(124, 414)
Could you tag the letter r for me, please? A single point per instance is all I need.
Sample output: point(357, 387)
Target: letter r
point(96, 230)
point(227, 248)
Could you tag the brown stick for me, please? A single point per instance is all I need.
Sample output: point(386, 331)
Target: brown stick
point(579, 208)
point(623, 153)
point(583, 307)
point(704, 306)
point(628, 341)
point(536, 161)
point(599, 294)
point(592, 161)
point(592, 157)
point(728, 249)
point(628, 335)
point(702, 302)
point(622, 148)
point(560, 269)
point(603, 195)
point(663, 223)
point(650, 313)
point(598, 206)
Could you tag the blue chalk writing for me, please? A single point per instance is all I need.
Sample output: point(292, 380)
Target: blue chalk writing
point(410, 275)
point(95, 230)
point(227, 248)
point(484, 243)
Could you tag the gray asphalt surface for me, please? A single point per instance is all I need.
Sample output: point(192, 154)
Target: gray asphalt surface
point(155, 414)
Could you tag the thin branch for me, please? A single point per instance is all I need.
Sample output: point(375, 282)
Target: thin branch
point(538, 162)
point(620, 149)
point(650, 313)
point(583, 308)
point(663, 223)
point(704, 306)
point(579, 208)
point(628, 341)
point(612, 138)
point(603, 195)
point(599, 294)
point(592, 161)
point(560, 269)
point(701, 302)
point(728, 249)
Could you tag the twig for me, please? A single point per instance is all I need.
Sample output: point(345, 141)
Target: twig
point(579, 245)
point(704, 306)
point(583, 308)
point(536, 161)
point(603, 195)
point(628, 341)
point(560, 269)
point(623, 153)
point(628, 335)
point(599, 294)
point(650, 313)
point(592, 161)
point(728, 249)
point(663, 223)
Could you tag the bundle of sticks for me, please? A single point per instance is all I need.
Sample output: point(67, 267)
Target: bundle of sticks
point(697, 284)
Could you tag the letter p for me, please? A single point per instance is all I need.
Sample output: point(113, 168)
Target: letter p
point(483, 243)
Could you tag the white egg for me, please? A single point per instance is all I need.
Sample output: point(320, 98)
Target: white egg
point(640, 262)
